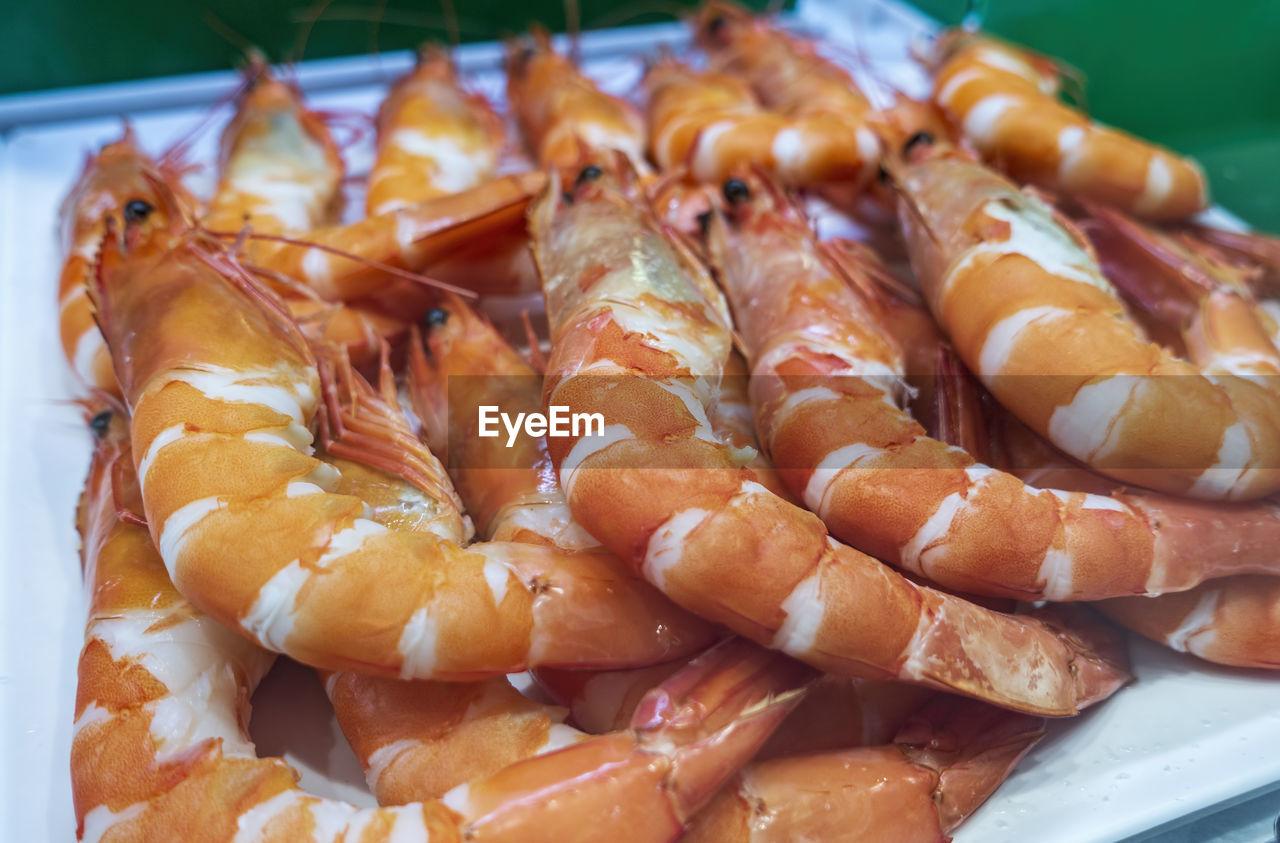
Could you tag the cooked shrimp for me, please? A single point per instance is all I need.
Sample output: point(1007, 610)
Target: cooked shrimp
point(826, 382)
point(279, 169)
point(315, 576)
point(1004, 101)
point(160, 752)
point(1028, 310)
point(793, 81)
point(639, 335)
point(712, 123)
point(118, 181)
point(560, 110)
point(434, 138)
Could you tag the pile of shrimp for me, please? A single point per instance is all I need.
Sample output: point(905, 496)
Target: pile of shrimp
point(790, 580)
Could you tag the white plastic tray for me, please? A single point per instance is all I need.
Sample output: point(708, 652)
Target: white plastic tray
point(1185, 737)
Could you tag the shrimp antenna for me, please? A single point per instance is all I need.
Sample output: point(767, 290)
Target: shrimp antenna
point(625, 12)
point(416, 277)
point(450, 13)
point(310, 18)
point(573, 27)
point(375, 25)
point(229, 34)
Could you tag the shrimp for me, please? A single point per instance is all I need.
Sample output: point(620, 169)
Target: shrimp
point(279, 167)
point(826, 382)
point(640, 334)
point(1004, 101)
point(827, 379)
point(118, 181)
point(281, 174)
point(316, 576)
point(817, 97)
point(559, 109)
point(711, 123)
point(1028, 310)
point(160, 752)
point(434, 138)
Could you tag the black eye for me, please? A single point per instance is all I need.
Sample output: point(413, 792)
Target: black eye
point(716, 25)
point(589, 173)
point(917, 138)
point(736, 191)
point(99, 423)
point(883, 175)
point(137, 210)
point(435, 317)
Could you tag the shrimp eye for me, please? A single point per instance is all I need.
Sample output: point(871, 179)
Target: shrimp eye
point(704, 222)
point(137, 210)
point(716, 25)
point(917, 138)
point(589, 173)
point(99, 423)
point(883, 175)
point(736, 191)
point(435, 317)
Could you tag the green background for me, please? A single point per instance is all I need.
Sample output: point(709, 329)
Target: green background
point(1202, 77)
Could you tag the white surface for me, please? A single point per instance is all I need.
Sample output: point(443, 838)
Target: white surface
point(1184, 737)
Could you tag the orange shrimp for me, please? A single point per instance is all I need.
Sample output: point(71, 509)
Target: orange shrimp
point(280, 176)
point(241, 393)
point(1004, 101)
point(826, 381)
point(279, 167)
point(434, 138)
point(1028, 310)
point(559, 109)
point(639, 334)
point(829, 135)
point(711, 123)
point(118, 181)
point(160, 752)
